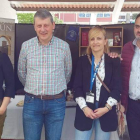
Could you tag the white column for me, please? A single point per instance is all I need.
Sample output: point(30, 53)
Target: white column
point(6, 11)
point(76, 16)
point(93, 19)
point(117, 10)
point(127, 17)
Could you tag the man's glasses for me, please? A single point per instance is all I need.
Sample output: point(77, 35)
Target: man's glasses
point(137, 26)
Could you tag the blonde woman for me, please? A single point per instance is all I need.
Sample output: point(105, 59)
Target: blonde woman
point(96, 107)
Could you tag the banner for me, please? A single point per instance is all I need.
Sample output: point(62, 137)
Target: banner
point(72, 33)
point(7, 37)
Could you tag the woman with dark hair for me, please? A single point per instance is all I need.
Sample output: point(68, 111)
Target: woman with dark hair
point(7, 92)
point(96, 107)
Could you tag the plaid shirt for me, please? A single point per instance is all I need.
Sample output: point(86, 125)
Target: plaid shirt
point(44, 70)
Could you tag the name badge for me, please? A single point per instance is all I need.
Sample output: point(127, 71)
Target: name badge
point(90, 97)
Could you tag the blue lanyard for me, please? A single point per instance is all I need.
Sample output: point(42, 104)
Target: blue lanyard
point(93, 73)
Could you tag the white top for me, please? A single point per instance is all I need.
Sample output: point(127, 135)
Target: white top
point(134, 82)
point(101, 72)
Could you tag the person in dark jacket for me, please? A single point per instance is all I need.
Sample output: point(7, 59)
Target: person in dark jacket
point(96, 107)
point(130, 97)
point(7, 90)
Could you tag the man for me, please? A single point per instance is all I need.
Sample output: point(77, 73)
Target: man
point(7, 92)
point(44, 68)
point(131, 82)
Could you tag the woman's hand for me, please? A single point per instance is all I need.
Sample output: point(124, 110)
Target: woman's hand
point(2, 110)
point(89, 113)
point(4, 105)
point(100, 112)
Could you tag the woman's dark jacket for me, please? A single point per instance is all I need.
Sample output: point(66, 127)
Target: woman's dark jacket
point(6, 76)
point(82, 85)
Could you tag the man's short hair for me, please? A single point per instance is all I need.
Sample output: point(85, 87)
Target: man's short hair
point(137, 16)
point(43, 13)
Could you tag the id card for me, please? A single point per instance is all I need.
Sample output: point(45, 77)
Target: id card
point(90, 97)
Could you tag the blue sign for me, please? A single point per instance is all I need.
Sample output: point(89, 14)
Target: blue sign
point(84, 15)
point(72, 33)
point(106, 15)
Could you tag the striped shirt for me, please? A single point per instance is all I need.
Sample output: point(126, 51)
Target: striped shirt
point(44, 70)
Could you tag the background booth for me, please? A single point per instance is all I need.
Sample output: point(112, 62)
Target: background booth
point(24, 32)
point(13, 124)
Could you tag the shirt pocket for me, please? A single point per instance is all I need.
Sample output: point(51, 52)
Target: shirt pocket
point(28, 99)
point(54, 61)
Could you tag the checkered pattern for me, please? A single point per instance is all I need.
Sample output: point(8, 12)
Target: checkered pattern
point(45, 70)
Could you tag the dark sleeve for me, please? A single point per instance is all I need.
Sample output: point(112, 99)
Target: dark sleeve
point(8, 75)
point(78, 81)
point(117, 80)
point(125, 71)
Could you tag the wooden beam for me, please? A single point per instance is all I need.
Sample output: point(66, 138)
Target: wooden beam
point(64, 0)
point(132, 0)
point(130, 10)
point(69, 9)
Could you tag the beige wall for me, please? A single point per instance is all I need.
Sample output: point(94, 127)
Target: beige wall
point(6, 11)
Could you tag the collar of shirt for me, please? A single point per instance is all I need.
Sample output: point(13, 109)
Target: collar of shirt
point(50, 43)
point(137, 49)
point(135, 42)
point(102, 62)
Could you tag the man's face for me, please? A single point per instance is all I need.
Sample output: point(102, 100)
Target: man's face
point(44, 29)
point(137, 28)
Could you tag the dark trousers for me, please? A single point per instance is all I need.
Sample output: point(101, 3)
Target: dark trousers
point(133, 119)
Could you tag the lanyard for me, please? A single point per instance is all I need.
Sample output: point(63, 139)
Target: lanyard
point(93, 72)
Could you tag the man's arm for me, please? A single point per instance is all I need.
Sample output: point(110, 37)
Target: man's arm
point(68, 65)
point(22, 66)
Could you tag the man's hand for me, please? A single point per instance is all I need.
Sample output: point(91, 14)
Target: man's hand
point(114, 55)
point(120, 108)
point(100, 112)
point(89, 113)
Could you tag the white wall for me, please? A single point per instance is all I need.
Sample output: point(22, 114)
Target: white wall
point(6, 11)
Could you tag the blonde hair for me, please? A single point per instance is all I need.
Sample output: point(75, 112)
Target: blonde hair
point(93, 32)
